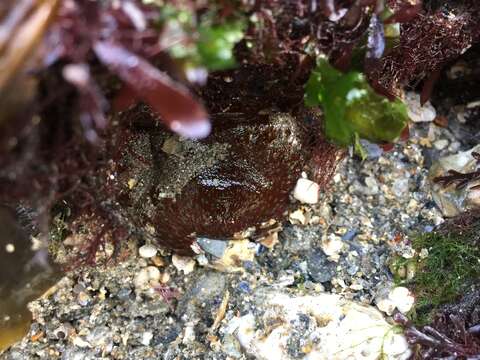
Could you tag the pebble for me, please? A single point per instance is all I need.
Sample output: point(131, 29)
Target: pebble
point(297, 217)
point(10, 248)
point(373, 150)
point(146, 276)
point(165, 278)
point(183, 263)
point(319, 267)
point(158, 261)
point(400, 187)
point(270, 240)
point(83, 298)
point(214, 247)
point(417, 112)
point(450, 200)
point(237, 255)
point(332, 246)
point(153, 273)
point(372, 184)
point(398, 298)
point(244, 287)
point(441, 144)
point(306, 191)
point(147, 251)
point(147, 336)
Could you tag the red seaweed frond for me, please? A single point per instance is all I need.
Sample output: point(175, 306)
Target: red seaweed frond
point(427, 43)
point(461, 180)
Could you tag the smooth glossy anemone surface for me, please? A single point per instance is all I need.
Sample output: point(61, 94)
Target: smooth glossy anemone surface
point(237, 178)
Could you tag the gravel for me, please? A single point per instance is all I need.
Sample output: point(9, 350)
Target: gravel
point(152, 305)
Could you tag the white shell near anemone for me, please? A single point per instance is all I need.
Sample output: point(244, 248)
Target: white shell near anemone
point(306, 191)
point(147, 251)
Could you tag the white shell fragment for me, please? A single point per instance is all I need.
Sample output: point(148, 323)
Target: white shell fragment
point(306, 191)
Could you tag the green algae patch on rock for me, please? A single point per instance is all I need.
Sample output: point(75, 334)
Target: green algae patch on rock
point(352, 108)
point(450, 269)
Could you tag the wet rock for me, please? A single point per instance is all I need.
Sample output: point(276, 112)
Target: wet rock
point(319, 267)
point(214, 247)
point(201, 299)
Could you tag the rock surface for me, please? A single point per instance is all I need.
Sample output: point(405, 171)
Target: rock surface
point(286, 326)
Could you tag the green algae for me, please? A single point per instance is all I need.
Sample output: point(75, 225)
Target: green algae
point(351, 107)
point(450, 269)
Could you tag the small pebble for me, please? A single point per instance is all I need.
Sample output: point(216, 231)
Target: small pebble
point(402, 298)
point(202, 260)
point(158, 261)
point(83, 298)
point(165, 278)
point(147, 251)
point(153, 273)
point(244, 287)
point(297, 217)
point(400, 187)
point(147, 336)
point(398, 298)
point(306, 191)
point(332, 246)
point(183, 263)
point(141, 279)
point(213, 247)
point(440, 144)
point(417, 112)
